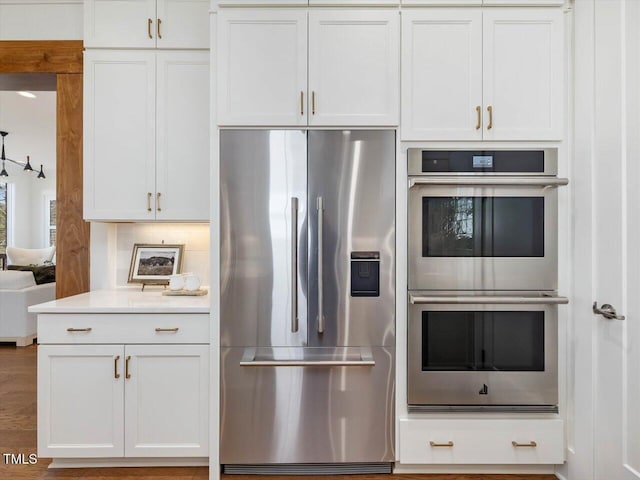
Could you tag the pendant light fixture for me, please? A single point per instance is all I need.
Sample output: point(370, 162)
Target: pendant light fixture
point(26, 166)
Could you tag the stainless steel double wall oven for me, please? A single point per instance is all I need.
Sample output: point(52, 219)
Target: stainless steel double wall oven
point(482, 277)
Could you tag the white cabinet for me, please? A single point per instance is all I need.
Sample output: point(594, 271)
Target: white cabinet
point(146, 135)
point(442, 74)
point(290, 67)
point(500, 76)
point(80, 401)
point(262, 64)
point(523, 76)
point(166, 401)
point(124, 400)
point(481, 441)
point(146, 24)
point(354, 67)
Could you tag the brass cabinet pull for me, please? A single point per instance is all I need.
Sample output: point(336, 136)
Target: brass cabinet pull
point(490, 110)
point(448, 444)
point(149, 194)
point(175, 329)
point(149, 23)
point(313, 103)
point(88, 329)
point(301, 103)
point(158, 202)
point(127, 375)
point(479, 113)
point(531, 444)
point(115, 367)
point(158, 23)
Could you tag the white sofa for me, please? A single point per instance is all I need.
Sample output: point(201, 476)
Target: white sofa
point(18, 291)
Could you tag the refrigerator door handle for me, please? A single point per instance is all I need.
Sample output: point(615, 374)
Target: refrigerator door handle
point(249, 360)
point(320, 207)
point(294, 264)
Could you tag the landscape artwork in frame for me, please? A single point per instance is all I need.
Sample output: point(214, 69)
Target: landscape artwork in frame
point(154, 264)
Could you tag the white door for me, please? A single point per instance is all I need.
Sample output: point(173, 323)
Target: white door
point(262, 63)
point(354, 67)
point(523, 73)
point(182, 24)
point(442, 74)
point(606, 220)
point(182, 136)
point(121, 24)
point(119, 135)
point(167, 401)
point(80, 401)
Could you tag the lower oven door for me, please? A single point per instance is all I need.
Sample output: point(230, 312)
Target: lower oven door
point(483, 353)
point(480, 236)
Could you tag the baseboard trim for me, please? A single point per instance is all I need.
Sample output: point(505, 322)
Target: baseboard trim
point(497, 469)
point(20, 341)
point(128, 462)
point(308, 469)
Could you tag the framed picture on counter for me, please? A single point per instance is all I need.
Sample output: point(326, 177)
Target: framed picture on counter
point(155, 263)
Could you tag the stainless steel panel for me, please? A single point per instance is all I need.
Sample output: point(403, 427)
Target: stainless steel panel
point(414, 165)
point(353, 171)
point(483, 273)
point(307, 414)
point(463, 387)
point(261, 173)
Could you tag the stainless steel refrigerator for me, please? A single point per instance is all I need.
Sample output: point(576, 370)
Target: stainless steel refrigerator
point(307, 227)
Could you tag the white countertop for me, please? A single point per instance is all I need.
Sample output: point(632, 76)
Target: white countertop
point(125, 301)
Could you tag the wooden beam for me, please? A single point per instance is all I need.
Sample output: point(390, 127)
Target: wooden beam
point(33, 56)
point(72, 270)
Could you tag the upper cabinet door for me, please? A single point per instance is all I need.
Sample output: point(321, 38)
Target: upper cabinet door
point(354, 67)
point(523, 73)
point(442, 74)
point(120, 24)
point(262, 66)
point(182, 24)
point(143, 24)
point(119, 134)
point(182, 136)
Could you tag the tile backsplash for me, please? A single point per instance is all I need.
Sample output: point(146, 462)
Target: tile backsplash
point(195, 238)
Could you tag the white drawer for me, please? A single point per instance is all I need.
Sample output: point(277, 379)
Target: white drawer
point(482, 441)
point(123, 328)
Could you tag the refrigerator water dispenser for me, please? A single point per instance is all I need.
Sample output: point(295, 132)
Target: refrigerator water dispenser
point(365, 274)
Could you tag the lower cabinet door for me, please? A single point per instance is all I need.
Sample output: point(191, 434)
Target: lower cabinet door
point(167, 401)
point(80, 401)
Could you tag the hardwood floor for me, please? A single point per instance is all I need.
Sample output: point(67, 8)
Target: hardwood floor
point(18, 436)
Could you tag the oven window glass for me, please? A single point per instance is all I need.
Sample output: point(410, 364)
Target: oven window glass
point(483, 226)
point(492, 341)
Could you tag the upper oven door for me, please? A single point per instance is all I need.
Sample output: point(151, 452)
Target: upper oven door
point(480, 234)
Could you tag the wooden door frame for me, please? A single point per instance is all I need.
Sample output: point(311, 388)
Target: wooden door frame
point(64, 58)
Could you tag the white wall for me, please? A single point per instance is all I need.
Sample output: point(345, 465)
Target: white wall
point(31, 124)
point(41, 20)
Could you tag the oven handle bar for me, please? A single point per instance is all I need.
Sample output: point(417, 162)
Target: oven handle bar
point(490, 181)
point(505, 300)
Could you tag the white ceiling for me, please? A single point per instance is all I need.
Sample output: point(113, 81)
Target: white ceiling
point(31, 123)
